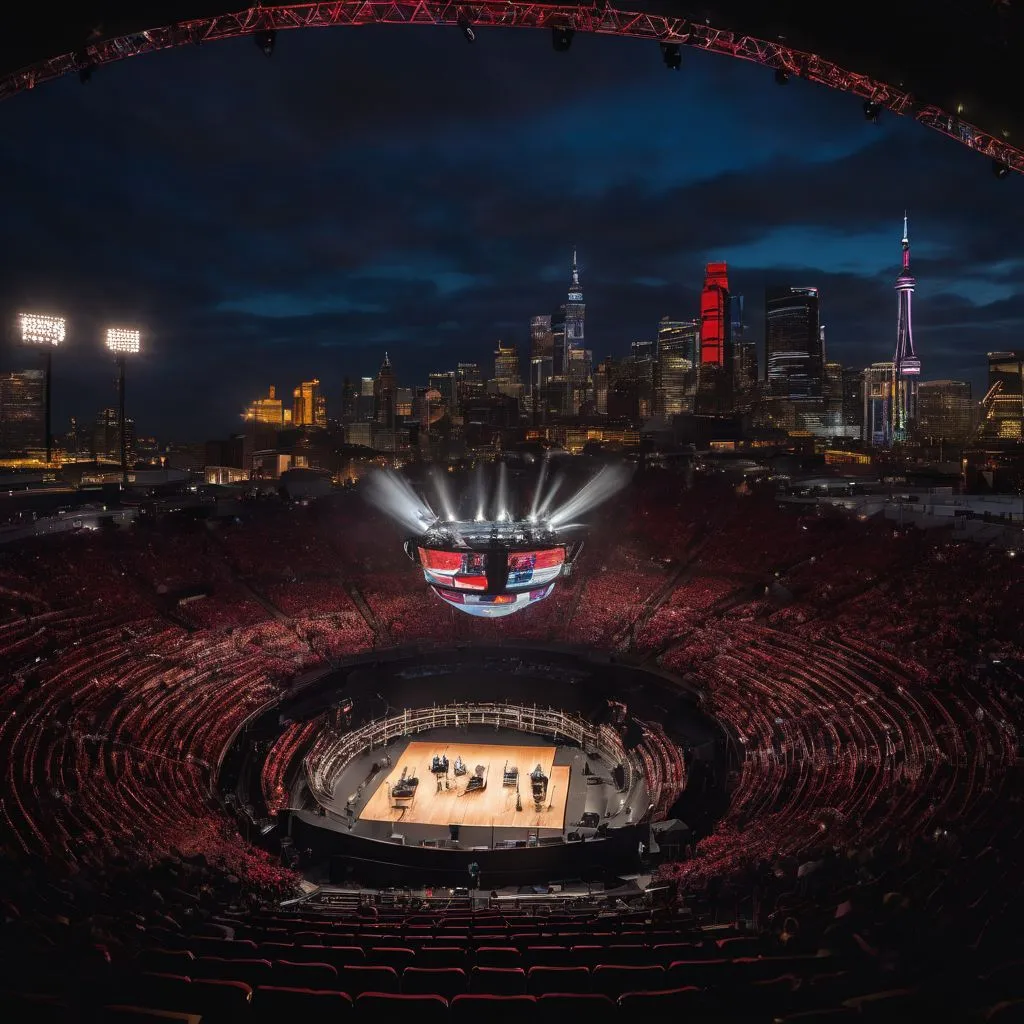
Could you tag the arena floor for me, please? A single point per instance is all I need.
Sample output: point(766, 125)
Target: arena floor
point(494, 806)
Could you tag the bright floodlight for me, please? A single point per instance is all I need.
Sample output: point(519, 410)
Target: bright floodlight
point(122, 340)
point(40, 329)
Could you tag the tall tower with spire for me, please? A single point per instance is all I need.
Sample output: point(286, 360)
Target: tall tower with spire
point(906, 367)
point(384, 394)
point(575, 309)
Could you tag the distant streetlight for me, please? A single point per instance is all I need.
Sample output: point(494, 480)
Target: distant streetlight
point(49, 332)
point(122, 342)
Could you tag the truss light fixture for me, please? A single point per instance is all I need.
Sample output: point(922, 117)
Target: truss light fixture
point(872, 110)
point(123, 340)
point(467, 29)
point(1000, 170)
point(672, 55)
point(781, 76)
point(561, 38)
point(41, 329)
point(265, 40)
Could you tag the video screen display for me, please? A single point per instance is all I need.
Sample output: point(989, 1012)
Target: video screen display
point(533, 568)
point(494, 606)
point(463, 570)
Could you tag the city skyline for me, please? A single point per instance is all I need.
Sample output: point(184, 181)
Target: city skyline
point(261, 239)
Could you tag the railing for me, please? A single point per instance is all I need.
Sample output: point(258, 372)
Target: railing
point(330, 755)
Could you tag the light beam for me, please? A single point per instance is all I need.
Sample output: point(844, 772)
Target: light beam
point(608, 481)
point(395, 497)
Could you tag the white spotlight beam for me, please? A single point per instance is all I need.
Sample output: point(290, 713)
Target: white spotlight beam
point(593, 493)
point(42, 329)
point(123, 340)
point(395, 496)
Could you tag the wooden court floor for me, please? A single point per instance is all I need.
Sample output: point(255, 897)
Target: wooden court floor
point(493, 806)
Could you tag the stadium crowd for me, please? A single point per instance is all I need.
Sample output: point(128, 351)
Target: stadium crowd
point(869, 677)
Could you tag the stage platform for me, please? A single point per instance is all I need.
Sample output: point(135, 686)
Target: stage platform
point(492, 807)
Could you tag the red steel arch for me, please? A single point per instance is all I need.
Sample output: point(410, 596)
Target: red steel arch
point(603, 20)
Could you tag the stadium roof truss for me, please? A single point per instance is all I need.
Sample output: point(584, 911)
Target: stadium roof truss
point(602, 19)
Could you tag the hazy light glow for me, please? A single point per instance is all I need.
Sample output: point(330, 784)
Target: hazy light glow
point(42, 329)
point(395, 496)
point(594, 492)
point(123, 340)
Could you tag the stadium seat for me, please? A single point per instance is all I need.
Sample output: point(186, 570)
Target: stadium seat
point(272, 1004)
point(656, 1005)
point(445, 981)
point(357, 980)
point(548, 956)
point(140, 1015)
point(498, 956)
point(560, 1007)
point(398, 957)
point(441, 956)
point(506, 981)
point(166, 961)
point(477, 1008)
point(615, 979)
point(557, 979)
point(218, 1002)
point(378, 1007)
point(287, 974)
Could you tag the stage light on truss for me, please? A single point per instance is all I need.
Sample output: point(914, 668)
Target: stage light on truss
point(265, 41)
point(123, 340)
point(467, 29)
point(672, 55)
point(781, 76)
point(561, 38)
point(1000, 170)
point(872, 110)
point(42, 329)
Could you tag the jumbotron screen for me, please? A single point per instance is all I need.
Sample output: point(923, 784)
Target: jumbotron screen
point(460, 570)
point(534, 568)
point(493, 606)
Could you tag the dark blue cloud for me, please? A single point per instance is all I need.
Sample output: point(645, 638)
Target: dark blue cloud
point(269, 220)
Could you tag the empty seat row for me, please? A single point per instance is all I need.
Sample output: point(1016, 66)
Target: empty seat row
point(231, 1002)
point(536, 953)
point(605, 979)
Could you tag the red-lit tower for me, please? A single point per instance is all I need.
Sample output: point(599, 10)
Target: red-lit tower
point(906, 367)
point(714, 316)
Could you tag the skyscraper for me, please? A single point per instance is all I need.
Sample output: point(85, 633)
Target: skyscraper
point(715, 323)
point(793, 344)
point(309, 407)
point(906, 367)
point(23, 413)
point(678, 350)
point(444, 383)
point(268, 411)
point(542, 351)
point(1003, 404)
point(575, 309)
point(744, 362)
point(106, 437)
point(507, 379)
point(384, 394)
point(506, 363)
point(877, 392)
point(945, 411)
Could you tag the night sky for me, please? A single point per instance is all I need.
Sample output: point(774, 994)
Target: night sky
point(264, 221)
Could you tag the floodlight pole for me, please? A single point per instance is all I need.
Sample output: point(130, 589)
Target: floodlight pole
point(48, 403)
point(120, 419)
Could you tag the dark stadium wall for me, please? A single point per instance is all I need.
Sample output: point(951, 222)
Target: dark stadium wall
point(382, 863)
